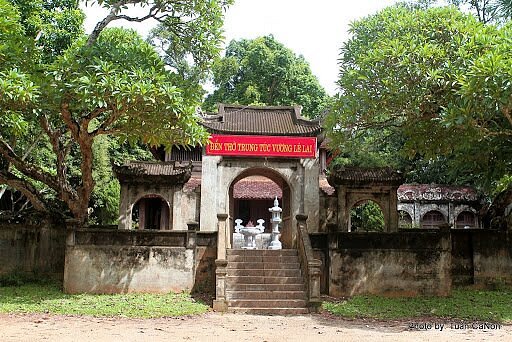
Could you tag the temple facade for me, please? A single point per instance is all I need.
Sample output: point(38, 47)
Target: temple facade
point(253, 217)
point(257, 154)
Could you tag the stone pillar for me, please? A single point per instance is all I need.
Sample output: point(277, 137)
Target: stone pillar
point(71, 226)
point(220, 303)
point(416, 220)
point(445, 281)
point(125, 214)
point(142, 213)
point(393, 210)
point(311, 194)
point(210, 190)
point(177, 216)
point(223, 238)
point(343, 212)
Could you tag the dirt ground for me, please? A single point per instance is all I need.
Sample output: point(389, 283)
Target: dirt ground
point(238, 327)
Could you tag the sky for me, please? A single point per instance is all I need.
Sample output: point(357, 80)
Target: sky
point(315, 29)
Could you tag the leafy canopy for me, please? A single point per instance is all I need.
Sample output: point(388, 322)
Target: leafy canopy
point(263, 71)
point(61, 91)
point(428, 84)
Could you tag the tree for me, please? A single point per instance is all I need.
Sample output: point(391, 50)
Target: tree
point(111, 83)
point(263, 71)
point(187, 49)
point(434, 83)
point(503, 9)
point(486, 11)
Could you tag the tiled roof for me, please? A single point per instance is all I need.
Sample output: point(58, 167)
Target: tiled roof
point(435, 192)
point(150, 172)
point(252, 120)
point(256, 187)
point(343, 175)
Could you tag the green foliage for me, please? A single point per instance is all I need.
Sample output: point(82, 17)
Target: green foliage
point(53, 24)
point(502, 9)
point(486, 11)
point(123, 78)
point(367, 217)
point(61, 91)
point(263, 71)
point(427, 85)
point(105, 196)
point(189, 51)
point(50, 299)
point(462, 304)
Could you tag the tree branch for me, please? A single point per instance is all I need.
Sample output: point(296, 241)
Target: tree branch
point(26, 168)
point(61, 153)
point(506, 113)
point(104, 127)
point(72, 125)
point(25, 188)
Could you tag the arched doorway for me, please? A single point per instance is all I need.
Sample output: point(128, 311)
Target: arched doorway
point(404, 220)
point(432, 219)
point(151, 212)
point(366, 216)
point(466, 219)
point(252, 193)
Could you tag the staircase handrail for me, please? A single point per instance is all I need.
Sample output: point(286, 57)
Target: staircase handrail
point(220, 302)
point(309, 265)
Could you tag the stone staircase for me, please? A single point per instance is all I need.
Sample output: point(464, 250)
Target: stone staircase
point(265, 282)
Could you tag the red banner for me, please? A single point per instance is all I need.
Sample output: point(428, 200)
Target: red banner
point(261, 146)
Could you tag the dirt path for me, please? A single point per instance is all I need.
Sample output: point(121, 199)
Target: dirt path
point(235, 327)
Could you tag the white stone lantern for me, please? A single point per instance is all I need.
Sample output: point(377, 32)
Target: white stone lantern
point(276, 220)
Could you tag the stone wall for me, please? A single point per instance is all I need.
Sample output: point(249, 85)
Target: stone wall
point(32, 250)
point(462, 257)
point(395, 264)
point(319, 243)
point(118, 261)
point(206, 253)
point(492, 257)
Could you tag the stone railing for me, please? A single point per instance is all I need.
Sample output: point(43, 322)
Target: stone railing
point(123, 237)
point(223, 242)
point(309, 265)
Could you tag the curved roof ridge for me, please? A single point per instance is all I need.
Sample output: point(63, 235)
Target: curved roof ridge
point(261, 120)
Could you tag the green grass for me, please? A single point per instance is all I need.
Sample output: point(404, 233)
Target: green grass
point(467, 304)
point(49, 298)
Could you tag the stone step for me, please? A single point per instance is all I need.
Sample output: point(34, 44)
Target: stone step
point(265, 272)
point(267, 303)
point(270, 311)
point(265, 295)
point(266, 287)
point(260, 265)
point(264, 258)
point(260, 252)
point(263, 280)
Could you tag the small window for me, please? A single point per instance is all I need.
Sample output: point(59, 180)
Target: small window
point(466, 219)
point(432, 219)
